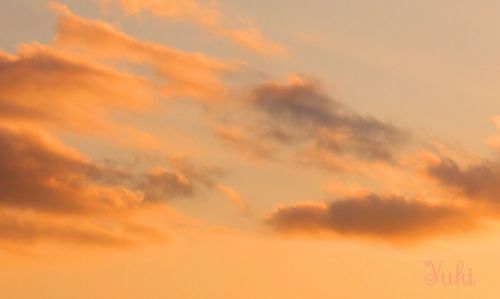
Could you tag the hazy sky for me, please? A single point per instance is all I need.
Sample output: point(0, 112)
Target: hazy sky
point(249, 149)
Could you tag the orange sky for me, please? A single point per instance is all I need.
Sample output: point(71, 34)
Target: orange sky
point(197, 149)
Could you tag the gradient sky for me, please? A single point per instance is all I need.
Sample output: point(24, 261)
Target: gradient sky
point(248, 149)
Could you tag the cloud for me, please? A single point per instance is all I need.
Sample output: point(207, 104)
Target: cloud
point(494, 141)
point(80, 84)
point(49, 191)
point(479, 182)
point(299, 115)
point(183, 180)
point(96, 87)
point(379, 217)
point(29, 230)
point(183, 74)
point(21, 229)
point(88, 81)
point(38, 172)
point(237, 137)
point(42, 84)
point(207, 16)
point(234, 197)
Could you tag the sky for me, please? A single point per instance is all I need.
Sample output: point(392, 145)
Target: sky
point(249, 149)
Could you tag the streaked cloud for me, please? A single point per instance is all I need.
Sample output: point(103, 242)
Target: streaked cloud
point(494, 141)
point(19, 229)
point(182, 74)
point(234, 197)
point(50, 191)
point(205, 15)
point(37, 81)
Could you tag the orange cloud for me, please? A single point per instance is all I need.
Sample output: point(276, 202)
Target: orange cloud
point(52, 192)
point(494, 141)
point(49, 191)
point(75, 84)
point(183, 74)
point(46, 85)
point(16, 228)
point(234, 197)
point(206, 16)
point(38, 172)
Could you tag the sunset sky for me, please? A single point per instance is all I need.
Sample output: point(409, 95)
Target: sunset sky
point(249, 149)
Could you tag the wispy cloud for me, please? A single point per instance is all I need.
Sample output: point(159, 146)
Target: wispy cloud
point(36, 82)
point(234, 197)
point(206, 15)
point(182, 74)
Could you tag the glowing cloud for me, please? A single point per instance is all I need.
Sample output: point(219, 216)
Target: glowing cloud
point(206, 16)
point(183, 74)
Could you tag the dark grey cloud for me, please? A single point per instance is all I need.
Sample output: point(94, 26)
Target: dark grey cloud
point(479, 181)
point(300, 113)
